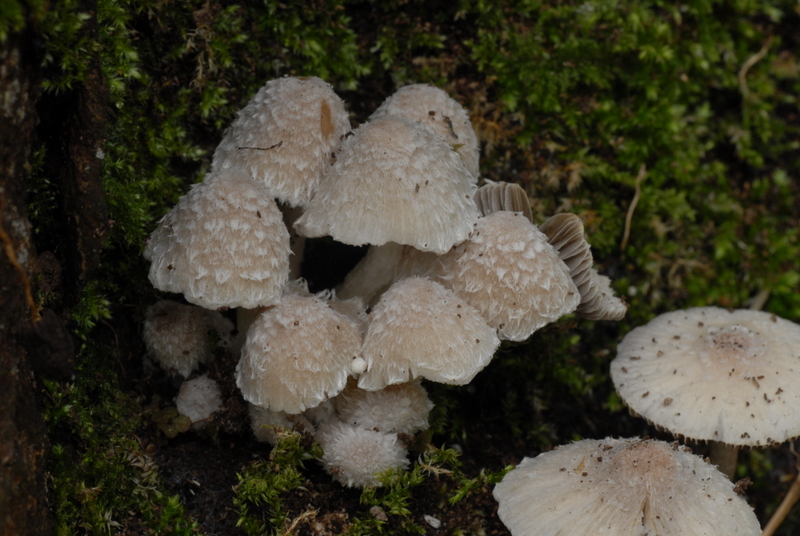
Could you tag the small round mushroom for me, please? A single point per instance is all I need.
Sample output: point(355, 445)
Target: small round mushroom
point(296, 355)
point(285, 136)
point(399, 409)
point(712, 374)
point(198, 399)
point(223, 245)
point(511, 274)
point(438, 112)
point(177, 336)
point(621, 487)
point(419, 329)
point(355, 456)
point(393, 181)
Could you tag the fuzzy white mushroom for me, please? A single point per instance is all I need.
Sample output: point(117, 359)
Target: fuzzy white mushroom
point(296, 354)
point(509, 272)
point(438, 112)
point(419, 329)
point(285, 137)
point(198, 399)
point(355, 456)
point(223, 245)
point(621, 487)
point(401, 408)
point(178, 336)
point(393, 181)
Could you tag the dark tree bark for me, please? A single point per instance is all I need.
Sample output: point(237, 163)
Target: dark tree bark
point(23, 439)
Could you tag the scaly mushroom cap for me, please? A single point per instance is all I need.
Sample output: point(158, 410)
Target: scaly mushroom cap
point(419, 329)
point(598, 302)
point(401, 408)
point(223, 245)
point(440, 114)
point(198, 399)
point(511, 274)
point(177, 335)
point(393, 182)
point(284, 137)
point(711, 374)
point(621, 487)
point(296, 355)
point(355, 456)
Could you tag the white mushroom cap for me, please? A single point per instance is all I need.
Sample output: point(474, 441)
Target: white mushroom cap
point(711, 374)
point(198, 399)
point(284, 137)
point(438, 112)
point(621, 487)
point(223, 245)
point(393, 182)
point(177, 336)
point(264, 423)
point(401, 408)
point(297, 354)
point(419, 329)
point(511, 274)
point(598, 302)
point(355, 456)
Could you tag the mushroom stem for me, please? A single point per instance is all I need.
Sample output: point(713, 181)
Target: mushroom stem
point(724, 456)
point(244, 318)
point(373, 274)
point(297, 242)
point(784, 508)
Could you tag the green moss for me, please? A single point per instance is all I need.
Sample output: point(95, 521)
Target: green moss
point(101, 474)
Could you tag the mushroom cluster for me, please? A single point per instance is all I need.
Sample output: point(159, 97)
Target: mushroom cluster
point(445, 279)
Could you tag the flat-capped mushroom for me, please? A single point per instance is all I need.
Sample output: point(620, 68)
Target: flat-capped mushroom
point(355, 456)
point(297, 354)
point(621, 487)
point(223, 245)
point(393, 181)
point(509, 272)
point(285, 136)
point(438, 112)
point(419, 329)
point(712, 374)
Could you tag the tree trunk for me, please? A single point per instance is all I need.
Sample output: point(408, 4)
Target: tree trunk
point(23, 440)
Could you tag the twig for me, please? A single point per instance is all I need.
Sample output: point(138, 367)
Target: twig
point(11, 253)
point(301, 518)
point(752, 60)
point(629, 216)
point(783, 510)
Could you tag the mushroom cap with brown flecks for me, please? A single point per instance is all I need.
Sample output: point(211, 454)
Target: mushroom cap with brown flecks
point(621, 487)
point(438, 112)
point(285, 136)
point(708, 373)
point(419, 329)
point(511, 274)
point(223, 245)
point(296, 355)
point(393, 181)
